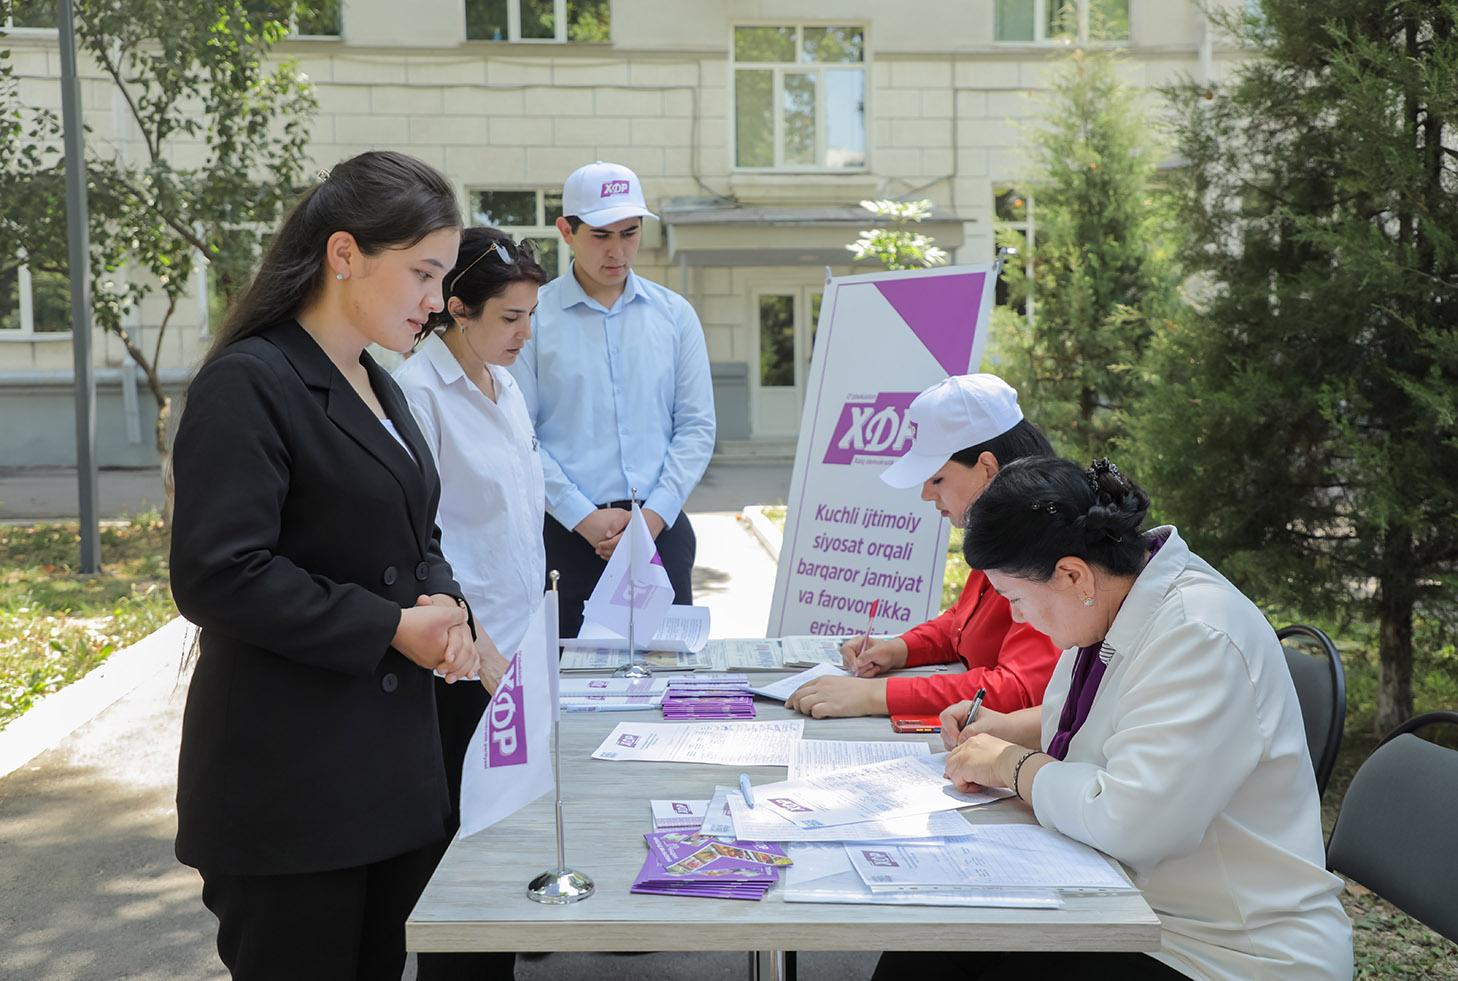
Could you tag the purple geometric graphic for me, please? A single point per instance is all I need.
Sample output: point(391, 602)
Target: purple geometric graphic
point(941, 311)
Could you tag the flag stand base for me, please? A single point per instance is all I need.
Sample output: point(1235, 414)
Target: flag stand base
point(558, 887)
point(635, 670)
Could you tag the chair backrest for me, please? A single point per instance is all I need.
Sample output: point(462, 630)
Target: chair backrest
point(1398, 825)
point(1321, 688)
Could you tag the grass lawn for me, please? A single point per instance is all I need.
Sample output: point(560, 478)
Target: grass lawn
point(1388, 943)
point(56, 625)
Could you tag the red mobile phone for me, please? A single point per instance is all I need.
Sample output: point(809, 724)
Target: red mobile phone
point(916, 723)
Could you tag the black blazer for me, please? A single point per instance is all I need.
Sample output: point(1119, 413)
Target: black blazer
point(301, 528)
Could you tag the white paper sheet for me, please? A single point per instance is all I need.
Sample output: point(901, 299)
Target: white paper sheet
point(818, 757)
point(785, 687)
point(823, 873)
point(893, 788)
point(762, 824)
point(675, 814)
point(685, 629)
point(993, 856)
point(615, 687)
point(605, 659)
point(726, 743)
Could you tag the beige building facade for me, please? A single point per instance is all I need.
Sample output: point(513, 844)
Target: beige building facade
point(757, 128)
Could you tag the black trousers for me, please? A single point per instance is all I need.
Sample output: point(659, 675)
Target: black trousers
point(341, 925)
point(569, 554)
point(458, 708)
point(896, 965)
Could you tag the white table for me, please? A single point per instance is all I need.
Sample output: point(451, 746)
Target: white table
point(476, 900)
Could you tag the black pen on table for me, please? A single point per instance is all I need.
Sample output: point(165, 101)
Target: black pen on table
point(976, 704)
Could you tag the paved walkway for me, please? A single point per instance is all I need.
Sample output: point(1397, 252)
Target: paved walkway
point(88, 884)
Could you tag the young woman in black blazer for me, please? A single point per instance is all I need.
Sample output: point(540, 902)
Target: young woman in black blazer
point(311, 792)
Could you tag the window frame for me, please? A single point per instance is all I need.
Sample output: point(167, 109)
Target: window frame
point(543, 229)
point(294, 35)
point(1040, 37)
point(560, 27)
point(11, 29)
point(778, 71)
point(25, 299)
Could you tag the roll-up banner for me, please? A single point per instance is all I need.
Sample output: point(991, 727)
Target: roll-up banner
point(850, 539)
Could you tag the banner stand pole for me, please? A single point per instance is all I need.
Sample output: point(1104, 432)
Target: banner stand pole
point(559, 886)
point(635, 668)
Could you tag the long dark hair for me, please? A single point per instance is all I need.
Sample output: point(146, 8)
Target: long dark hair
point(386, 200)
point(1038, 510)
point(480, 273)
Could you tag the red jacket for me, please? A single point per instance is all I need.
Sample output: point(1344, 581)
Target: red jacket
point(1011, 660)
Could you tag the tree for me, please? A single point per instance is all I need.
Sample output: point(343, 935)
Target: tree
point(1100, 264)
point(194, 78)
point(1301, 419)
point(898, 246)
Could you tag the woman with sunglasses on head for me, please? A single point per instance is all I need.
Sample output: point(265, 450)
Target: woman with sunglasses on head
point(492, 502)
point(311, 794)
point(1170, 737)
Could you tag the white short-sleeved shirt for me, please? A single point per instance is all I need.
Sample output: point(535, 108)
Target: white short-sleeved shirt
point(1192, 769)
point(492, 496)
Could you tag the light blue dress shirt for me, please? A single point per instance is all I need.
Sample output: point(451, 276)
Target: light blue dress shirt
point(620, 398)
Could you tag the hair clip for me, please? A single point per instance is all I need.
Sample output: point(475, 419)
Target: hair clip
point(322, 175)
point(1048, 506)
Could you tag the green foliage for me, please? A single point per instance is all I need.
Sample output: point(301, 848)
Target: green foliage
point(1101, 273)
point(56, 625)
point(1300, 419)
point(898, 246)
point(222, 137)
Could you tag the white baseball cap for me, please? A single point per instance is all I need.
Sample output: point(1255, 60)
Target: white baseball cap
point(602, 193)
point(952, 415)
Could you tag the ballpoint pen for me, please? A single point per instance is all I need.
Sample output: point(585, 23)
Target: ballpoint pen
point(976, 704)
point(870, 622)
point(745, 790)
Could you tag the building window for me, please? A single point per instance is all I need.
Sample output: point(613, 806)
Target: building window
point(321, 18)
point(1050, 21)
point(528, 216)
point(32, 14)
point(33, 302)
point(1012, 222)
point(539, 21)
point(799, 98)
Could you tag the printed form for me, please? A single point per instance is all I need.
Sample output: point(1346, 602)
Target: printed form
point(726, 743)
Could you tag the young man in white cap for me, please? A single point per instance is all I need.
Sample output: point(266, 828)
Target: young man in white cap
point(966, 428)
point(616, 378)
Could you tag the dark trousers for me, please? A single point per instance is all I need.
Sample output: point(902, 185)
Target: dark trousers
point(569, 554)
point(458, 708)
point(341, 925)
point(897, 965)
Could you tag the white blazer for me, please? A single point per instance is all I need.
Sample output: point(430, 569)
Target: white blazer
point(1192, 770)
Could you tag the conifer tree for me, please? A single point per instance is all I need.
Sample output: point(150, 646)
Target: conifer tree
point(1100, 269)
point(1300, 421)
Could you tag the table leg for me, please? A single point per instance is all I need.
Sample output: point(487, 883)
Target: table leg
point(767, 965)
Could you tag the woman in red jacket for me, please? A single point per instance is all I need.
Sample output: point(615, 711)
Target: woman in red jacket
point(966, 428)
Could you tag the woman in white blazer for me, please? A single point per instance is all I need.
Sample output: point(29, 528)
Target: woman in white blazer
point(1169, 737)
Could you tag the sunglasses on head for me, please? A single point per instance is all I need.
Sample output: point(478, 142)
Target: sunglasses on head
point(499, 249)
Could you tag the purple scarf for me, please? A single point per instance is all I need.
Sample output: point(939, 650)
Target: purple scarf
point(1088, 671)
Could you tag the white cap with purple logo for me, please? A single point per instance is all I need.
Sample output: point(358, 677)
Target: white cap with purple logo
point(952, 415)
point(603, 193)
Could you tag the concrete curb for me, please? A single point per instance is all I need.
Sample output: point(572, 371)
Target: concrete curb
point(58, 715)
point(764, 529)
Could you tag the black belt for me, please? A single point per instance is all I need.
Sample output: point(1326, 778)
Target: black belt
point(624, 505)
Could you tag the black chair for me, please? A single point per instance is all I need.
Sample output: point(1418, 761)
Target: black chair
point(1321, 688)
point(1395, 831)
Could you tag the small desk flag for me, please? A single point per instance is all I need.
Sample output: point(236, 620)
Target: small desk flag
point(635, 570)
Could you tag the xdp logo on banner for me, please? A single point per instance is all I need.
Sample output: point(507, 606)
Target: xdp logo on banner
point(506, 743)
point(875, 429)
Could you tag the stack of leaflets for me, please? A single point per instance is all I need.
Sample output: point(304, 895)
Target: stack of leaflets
point(611, 694)
point(704, 697)
point(678, 815)
point(685, 863)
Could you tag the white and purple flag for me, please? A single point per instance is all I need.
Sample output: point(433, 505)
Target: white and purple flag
point(509, 763)
point(633, 580)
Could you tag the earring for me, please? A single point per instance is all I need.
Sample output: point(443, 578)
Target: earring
point(339, 276)
point(1088, 601)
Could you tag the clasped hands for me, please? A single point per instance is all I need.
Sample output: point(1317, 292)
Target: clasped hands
point(435, 634)
point(603, 528)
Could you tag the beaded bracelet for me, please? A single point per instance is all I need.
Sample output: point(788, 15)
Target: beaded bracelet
point(1018, 768)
